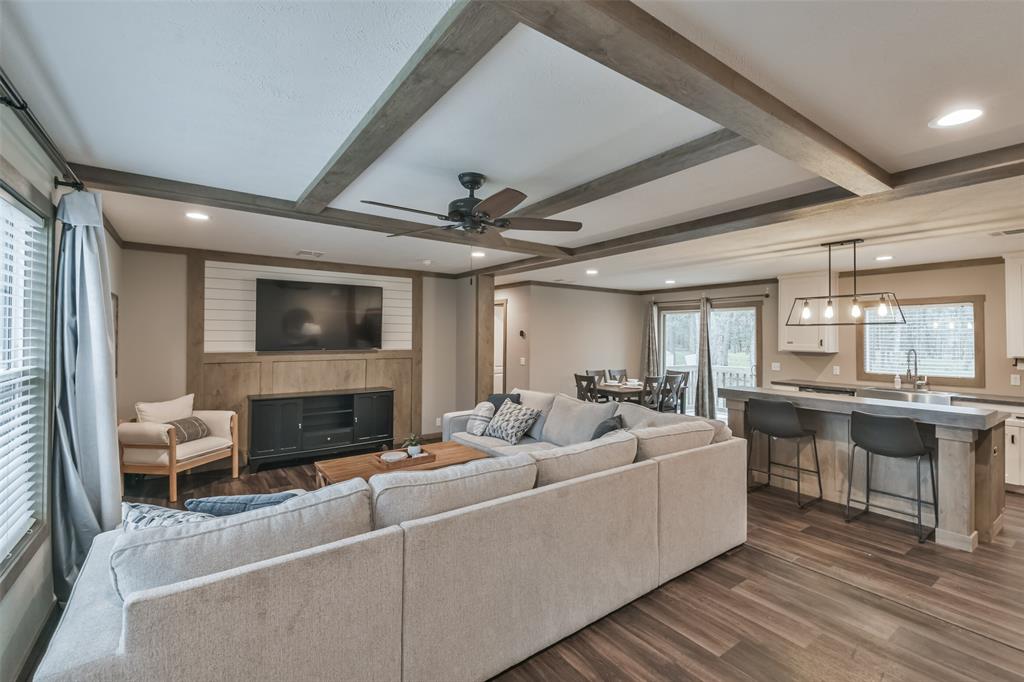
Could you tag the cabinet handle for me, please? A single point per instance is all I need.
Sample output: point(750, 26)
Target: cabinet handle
point(821, 342)
point(300, 425)
point(356, 420)
point(1013, 439)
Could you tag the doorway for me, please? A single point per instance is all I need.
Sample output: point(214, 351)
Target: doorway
point(500, 344)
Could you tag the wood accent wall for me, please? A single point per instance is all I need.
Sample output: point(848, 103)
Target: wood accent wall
point(226, 380)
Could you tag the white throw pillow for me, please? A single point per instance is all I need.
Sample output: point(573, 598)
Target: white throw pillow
point(167, 411)
point(653, 441)
point(481, 417)
point(152, 557)
point(511, 422)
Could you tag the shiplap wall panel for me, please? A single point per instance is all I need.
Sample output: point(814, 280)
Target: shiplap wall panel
point(230, 303)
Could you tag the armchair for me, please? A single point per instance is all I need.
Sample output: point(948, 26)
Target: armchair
point(147, 447)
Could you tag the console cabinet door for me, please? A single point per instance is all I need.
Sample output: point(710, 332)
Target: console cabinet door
point(276, 427)
point(290, 433)
point(373, 416)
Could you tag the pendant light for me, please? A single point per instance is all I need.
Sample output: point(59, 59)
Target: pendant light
point(846, 309)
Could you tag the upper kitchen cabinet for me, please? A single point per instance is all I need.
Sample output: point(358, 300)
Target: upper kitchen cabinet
point(808, 338)
point(1015, 305)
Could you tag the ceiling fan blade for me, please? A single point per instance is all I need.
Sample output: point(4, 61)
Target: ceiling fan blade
point(540, 224)
point(499, 203)
point(410, 210)
point(417, 230)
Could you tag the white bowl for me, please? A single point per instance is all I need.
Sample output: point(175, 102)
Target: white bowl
point(394, 456)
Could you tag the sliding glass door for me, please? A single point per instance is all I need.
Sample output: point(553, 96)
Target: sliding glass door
point(734, 346)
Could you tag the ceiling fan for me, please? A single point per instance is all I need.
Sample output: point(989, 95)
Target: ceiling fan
point(476, 215)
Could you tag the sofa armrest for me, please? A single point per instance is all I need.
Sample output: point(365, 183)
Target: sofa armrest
point(219, 422)
point(454, 422)
point(144, 433)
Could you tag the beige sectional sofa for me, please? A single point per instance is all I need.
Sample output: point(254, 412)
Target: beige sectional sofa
point(454, 574)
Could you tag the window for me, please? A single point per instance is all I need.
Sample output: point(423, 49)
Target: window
point(24, 332)
point(947, 335)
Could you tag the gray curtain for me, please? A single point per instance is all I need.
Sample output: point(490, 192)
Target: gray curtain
point(86, 486)
point(650, 352)
point(704, 405)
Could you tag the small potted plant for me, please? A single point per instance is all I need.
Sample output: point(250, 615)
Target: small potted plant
point(412, 445)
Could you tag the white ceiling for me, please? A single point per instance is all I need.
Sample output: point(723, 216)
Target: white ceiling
point(953, 225)
point(250, 96)
point(257, 96)
point(874, 73)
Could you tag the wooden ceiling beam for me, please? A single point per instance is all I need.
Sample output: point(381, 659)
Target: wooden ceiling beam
point(466, 33)
point(702, 150)
point(628, 40)
point(173, 190)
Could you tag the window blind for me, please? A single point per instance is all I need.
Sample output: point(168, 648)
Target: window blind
point(941, 333)
point(24, 281)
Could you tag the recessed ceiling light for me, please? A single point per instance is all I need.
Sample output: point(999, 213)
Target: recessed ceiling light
point(883, 257)
point(196, 215)
point(591, 272)
point(478, 254)
point(428, 262)
point(670, 281)
point(955, 118)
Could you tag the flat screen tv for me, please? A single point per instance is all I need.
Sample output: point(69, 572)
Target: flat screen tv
point(296, 316)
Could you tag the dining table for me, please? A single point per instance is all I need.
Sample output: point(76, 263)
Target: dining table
point(620, 392)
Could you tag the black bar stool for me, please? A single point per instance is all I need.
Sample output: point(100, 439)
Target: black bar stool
point(779, 419)
point(895, 437)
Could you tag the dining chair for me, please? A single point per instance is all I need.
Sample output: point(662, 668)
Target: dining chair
point(599, 374)
point(670, 392)
point(586, 387)
point(650, 392)
point(617, 375)
point(684, 387)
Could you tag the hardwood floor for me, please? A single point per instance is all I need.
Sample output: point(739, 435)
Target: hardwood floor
point(809, 597)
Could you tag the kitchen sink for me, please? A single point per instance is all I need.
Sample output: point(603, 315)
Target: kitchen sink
point(909, 396)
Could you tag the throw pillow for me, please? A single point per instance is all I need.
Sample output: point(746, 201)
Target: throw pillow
point(607, 426)
point(168, 410)
point(511, 422)
point(498, 399)
point(481, 417)
point(225, 505)
point(189, 428)
point(135, 515)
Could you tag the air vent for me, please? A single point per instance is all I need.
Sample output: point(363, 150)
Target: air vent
point(1009, 233)
point(309, 253)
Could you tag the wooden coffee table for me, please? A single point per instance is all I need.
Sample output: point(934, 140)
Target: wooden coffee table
point(446, 454)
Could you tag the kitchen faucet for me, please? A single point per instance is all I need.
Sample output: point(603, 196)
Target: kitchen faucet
point(919, 381)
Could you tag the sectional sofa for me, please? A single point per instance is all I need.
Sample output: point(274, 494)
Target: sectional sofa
point(454, 574)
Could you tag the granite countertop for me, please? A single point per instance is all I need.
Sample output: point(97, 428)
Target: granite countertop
point(1016, 400)
point(956, 416)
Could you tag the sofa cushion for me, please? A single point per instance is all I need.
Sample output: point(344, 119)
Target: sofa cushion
point(537, 400)
point(527, 445)
point(637, 416)
point(653, 441)
point(406, 495)
point(226, 505)
point(573, 421)
point(511, 422)
point(137, 515)
point(488, 444)
point(498, 399)
point(481, 417)
point(616, 449)
point(188, 450)
point(161, 556)
point(166, 411)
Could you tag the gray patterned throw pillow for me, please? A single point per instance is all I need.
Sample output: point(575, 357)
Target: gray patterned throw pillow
point(481, 417)
point(189, 428)
point(135, 515)
point(511, 422)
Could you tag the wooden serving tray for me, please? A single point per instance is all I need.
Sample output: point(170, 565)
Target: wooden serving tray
point(403, 463)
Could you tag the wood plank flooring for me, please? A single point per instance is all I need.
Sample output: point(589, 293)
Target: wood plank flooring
point(809, 597)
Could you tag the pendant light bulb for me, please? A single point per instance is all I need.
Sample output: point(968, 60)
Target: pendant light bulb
point(883, 307)
point(806, 312)
point(855, 309)
point(829, 310)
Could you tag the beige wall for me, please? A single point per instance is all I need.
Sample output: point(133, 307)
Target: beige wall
point(465, 343)
point(440, 321)
point(152, 331)
point(984, 280)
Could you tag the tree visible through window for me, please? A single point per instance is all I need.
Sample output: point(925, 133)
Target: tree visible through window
point(942, 334)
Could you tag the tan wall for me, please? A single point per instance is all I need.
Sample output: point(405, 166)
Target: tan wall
point(984, 280)
point(151, 329)
point(440, 316)
point(518, 309)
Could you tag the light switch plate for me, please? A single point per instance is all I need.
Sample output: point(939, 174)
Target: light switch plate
point(1015, 380)
point(437, 422)
point(835, 370)
point(522, 362)
point(776, 366)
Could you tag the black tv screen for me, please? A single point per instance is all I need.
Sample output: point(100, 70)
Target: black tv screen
point(293, 316)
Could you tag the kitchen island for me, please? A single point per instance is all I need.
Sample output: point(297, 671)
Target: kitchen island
point(967, 442)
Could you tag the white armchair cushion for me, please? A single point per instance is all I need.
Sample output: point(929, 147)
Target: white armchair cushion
point(167, 411)
point(219, 421)
point(159, 455)
point(138, 433)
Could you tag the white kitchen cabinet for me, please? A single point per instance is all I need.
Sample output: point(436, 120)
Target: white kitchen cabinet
point(809, 338)
point(1015, 305)
point(1014, 451)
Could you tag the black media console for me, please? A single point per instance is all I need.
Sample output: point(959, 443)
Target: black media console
point(287, 426)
